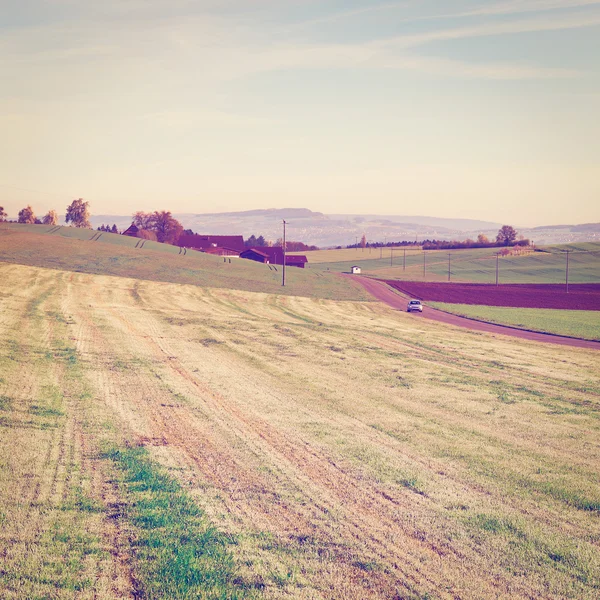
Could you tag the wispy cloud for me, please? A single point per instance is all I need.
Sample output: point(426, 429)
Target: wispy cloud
point(523, 6)
point(531, 25)
point(511, 7)
point(216, 48)
point(491, 70)
point(338, 16)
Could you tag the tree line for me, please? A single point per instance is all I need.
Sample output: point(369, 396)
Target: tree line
point(77, 213)
point(108, 228)
point(160, 225)
point(506, 236)
point(290, 245)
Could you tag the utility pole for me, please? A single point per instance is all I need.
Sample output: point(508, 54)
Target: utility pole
point(423, 264)
point(404, 264)
point(567, 273)
point(283, 248)
point(497, 255)
point(391, 256)
point(449, 266)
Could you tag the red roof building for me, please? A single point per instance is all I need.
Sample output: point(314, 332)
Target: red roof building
point(221, 245)
point(131, 231)
point(273, 255)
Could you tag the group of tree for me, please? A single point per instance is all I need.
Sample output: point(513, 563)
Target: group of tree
point(380, 244)
point(507, 236)
point(291, 246)
point(108, 228)
point(26, 215)
point(77, 213)
point(161, 223)
point(256, 242)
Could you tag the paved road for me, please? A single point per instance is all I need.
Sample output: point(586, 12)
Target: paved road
point(386, 294)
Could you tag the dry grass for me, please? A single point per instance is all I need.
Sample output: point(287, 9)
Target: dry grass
point(56, 541)
point(349, 450)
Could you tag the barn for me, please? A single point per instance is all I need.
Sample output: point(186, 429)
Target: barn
point(293, 260)
point(220, 245)
point(273, 255)
point(132, 231)
point(256, 254)
point(355, 270)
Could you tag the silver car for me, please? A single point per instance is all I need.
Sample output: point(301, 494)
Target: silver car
point(414, 305)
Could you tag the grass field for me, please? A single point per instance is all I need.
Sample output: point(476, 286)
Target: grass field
point(314, 448)
point(76, 249)
point(473, 265)
point(573, 323)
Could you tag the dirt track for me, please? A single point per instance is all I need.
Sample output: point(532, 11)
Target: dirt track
point(383, 292)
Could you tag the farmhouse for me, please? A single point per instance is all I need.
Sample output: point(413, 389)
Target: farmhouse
point(221, 245)
point(293, 260)
point(132, 231)
point(274, 256)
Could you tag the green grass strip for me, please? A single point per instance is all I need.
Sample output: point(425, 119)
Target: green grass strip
point(583, 324)
point(178, 554)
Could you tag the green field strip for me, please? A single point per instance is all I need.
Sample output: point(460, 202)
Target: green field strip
point(582, 324)
point(177, 553)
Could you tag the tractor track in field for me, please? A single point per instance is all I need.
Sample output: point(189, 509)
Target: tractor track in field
point(257, 406)
point(384, 293)
point(372, 516)
point(200, 448)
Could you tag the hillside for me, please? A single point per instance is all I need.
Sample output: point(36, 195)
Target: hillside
point(86, 251)
point(469, 265)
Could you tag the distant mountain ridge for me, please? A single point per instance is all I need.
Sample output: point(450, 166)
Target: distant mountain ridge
point(319, 229)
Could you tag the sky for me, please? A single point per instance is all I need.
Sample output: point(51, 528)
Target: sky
point(486, 110)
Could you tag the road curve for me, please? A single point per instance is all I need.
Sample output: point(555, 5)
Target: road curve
point(384, 293)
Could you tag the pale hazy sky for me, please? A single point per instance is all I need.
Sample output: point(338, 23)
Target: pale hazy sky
point(449, 108)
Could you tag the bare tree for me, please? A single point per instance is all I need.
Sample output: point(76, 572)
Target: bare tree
point(506, 235)
point(78, 213)
point(26, 215)
point(51, 218)
point(3, 214)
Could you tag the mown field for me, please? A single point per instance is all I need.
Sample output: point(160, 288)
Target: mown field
point(584, 324)
point(88, 251)
point(473, 265)
point(161, 440)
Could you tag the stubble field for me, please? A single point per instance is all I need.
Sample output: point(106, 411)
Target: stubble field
point(335, 449)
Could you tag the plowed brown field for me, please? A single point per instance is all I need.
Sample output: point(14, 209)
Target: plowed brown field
point(351, 451)
point(581, 296)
